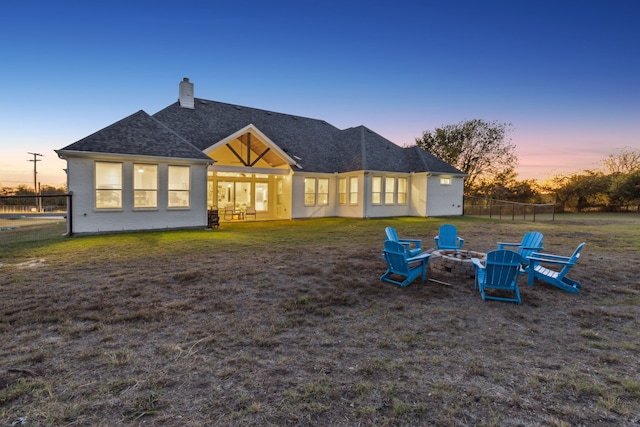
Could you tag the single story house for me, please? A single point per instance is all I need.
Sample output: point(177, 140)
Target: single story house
point(167, 170)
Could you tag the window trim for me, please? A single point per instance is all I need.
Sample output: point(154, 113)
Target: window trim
point(376, 196)
point(136, 167)
point(119, 190)
point(403, 193)
point(353, 194)
point(171, 190)
point(342, 191)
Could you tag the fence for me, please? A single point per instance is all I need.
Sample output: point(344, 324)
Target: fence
point(16, 211)
point(503, 209)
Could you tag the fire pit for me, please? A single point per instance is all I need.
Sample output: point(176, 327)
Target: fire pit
point(454, 265)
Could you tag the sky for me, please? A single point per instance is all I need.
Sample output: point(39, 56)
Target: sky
point(564, 73)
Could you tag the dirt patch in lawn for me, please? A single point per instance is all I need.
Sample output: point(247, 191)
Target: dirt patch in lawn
point(287, 328)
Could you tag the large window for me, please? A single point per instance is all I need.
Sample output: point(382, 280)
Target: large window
point(145, 186)
point(402, 191)
point(353, 190)
point(342, 191)
point(316, 191)
point(179, 186)
point(389, 191)
point(376, 190)
point(108, 183)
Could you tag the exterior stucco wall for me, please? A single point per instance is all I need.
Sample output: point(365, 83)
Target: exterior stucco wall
point(87, 219)
point(382, 209)
point(444, 200)
point(299, 210)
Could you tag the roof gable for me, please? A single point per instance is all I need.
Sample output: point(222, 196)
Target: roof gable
point(138, 135)
point(314, 145)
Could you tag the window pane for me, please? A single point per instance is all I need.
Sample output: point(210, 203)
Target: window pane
point(178, 186)
point(389, 190)
point(309, 191)
point(262, 195)
point(402, 191)
point(323, 192)
point(145, 185)
point(353, 190)
point(108, 185)
point(342, 191)
point(376, 190)
point(178, 177)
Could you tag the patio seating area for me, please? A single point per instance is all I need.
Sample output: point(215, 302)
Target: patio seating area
point(495, 274)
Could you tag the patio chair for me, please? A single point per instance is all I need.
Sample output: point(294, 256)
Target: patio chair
point(499, 273)
point(401, 266)
point(251, 211)
point(531, 242)
point(556, 277)
point(447, 238)
point(228, 213)
point(412, 246)
point(213, 219)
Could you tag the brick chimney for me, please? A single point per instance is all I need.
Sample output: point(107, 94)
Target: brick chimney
point(186, 94)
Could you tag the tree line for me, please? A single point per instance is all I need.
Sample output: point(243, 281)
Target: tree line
point(484, 151)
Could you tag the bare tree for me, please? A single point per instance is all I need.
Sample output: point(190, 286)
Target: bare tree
point(476, 147)
point(625, 161)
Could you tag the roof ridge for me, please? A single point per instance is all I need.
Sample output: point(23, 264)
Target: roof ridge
point(269, 112)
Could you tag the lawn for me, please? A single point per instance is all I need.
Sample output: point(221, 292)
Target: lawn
point(287, 323)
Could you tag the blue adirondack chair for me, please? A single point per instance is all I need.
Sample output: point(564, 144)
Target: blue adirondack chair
point(401, 266)
point(412, 246)
point(556, 277)
point(531, 242)
point(447, 238)
point(500, 272)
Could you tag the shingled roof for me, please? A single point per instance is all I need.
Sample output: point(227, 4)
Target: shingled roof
point(141, 135)
point(320, 146)
point(179, 132)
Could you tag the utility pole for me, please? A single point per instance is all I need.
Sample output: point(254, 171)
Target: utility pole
point(35, 174)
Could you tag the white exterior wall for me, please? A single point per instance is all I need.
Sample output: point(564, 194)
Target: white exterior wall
point(383, 210)
point(444, 200)
point(299, 210)
point(418, 194)
point(87, 219)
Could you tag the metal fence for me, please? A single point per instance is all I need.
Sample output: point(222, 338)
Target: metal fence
point(502, 209)
point(16, 211)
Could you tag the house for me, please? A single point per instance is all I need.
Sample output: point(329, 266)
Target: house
point(167, 170)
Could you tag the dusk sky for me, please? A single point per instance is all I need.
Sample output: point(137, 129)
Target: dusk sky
point(565, 74)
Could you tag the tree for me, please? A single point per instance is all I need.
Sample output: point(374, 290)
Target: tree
point(625, 190)
point(476, 147)
point(625, 161)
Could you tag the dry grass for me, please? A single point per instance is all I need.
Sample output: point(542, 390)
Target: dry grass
point(287, 323)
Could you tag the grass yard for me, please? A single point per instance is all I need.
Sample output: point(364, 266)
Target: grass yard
point(287, 324)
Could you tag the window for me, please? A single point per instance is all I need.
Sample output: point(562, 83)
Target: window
point(342, 191)
point(108, 185)
point(389, 191)
point(376, 190)
point(179, 186)
point(323, 192)
point(262, 195)
point(445, 181)
point(309, 191)
point(316, 191)
point(402, 191)
point(353, 190)
point(145, 186)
